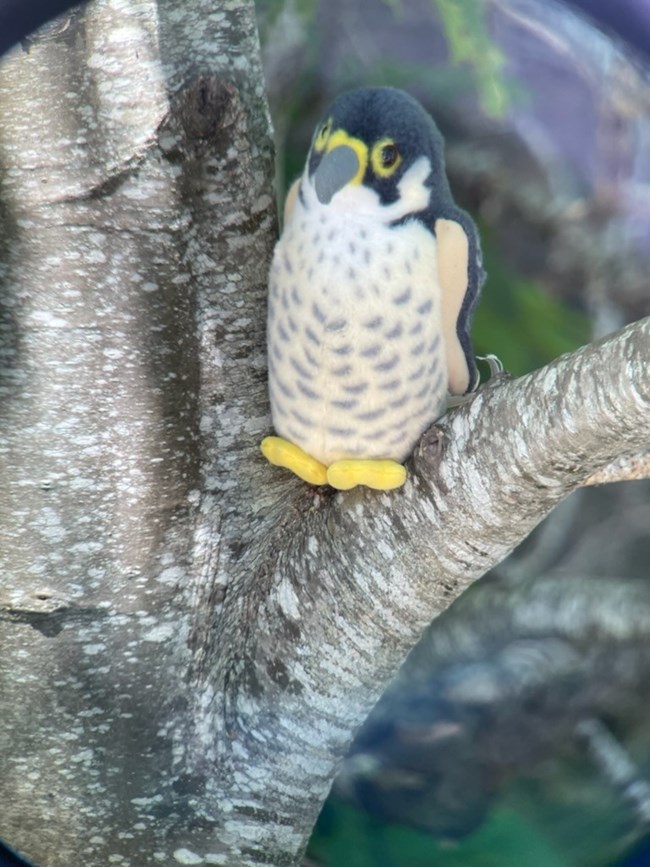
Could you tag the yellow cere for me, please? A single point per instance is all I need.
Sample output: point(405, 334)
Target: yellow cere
point(377, 158)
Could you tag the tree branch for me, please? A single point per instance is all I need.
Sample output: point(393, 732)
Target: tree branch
point(349, 581)
point(624, 469)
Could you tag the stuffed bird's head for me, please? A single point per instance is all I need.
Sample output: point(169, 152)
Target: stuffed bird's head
point(376, 148)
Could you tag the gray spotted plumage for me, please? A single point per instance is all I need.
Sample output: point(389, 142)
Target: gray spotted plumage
point(358, 360)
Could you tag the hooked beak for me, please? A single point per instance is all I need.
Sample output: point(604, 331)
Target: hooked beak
point(337, 168)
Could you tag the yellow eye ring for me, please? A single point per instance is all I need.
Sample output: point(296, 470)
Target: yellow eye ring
point(385, 158)
point(322, 135)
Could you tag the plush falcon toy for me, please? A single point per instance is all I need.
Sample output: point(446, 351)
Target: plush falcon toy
point(372, 288)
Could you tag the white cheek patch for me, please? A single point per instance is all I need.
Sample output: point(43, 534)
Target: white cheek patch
point(413, 194)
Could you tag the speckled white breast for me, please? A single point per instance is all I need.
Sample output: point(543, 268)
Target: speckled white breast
point(357, 365)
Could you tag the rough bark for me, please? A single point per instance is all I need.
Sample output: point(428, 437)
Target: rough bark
point(623, 469)
point(190, 637)
point(137, 222)
point(357, 577)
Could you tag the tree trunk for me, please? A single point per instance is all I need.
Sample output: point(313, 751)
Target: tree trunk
point(190, 637)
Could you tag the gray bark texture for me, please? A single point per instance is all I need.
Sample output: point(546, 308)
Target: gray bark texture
point(189, 638)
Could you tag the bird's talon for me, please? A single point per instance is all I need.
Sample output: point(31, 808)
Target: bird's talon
point(282, 453)
point(380, 475)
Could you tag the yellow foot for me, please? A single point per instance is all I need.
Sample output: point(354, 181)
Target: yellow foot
point(381, 475)
point(282, 453)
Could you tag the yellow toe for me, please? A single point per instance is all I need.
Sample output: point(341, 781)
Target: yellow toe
point(282, 453)
point(380, 475)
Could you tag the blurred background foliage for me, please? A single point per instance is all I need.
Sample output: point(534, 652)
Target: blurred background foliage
point(517, 732)
point(469, 42)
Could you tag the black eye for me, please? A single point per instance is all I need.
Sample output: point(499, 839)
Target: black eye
point(385, 158)
point(388, 155)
